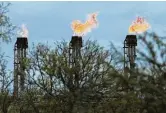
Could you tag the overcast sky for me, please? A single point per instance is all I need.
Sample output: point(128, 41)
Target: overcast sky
point(50, 21)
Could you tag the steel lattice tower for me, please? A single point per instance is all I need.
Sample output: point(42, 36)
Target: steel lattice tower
point(130, 44)
point(74, 57)
point(75, 50)
point(20, 52)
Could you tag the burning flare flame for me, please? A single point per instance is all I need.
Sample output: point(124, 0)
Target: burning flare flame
point(23, 32)
point(81, 29)
point(139, 26)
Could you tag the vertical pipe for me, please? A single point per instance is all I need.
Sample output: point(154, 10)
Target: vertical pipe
point(124, 55)
point(22, 70)
point(15, 73)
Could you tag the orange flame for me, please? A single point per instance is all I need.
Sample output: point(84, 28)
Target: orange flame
point(81, 29)
point(23, 32)
point(139, 26)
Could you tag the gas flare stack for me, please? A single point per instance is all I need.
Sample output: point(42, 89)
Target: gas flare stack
point(130, 44)
point(20, 52)
point(75, 50)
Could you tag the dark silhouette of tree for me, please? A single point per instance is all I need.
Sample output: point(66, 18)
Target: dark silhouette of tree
point(97, 83)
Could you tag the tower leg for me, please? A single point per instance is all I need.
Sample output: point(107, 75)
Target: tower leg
point(15, 85)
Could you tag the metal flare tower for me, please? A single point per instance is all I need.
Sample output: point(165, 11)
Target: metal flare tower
point(74, 57)
point(75, 50)
point(20, 53)
point(130, 44)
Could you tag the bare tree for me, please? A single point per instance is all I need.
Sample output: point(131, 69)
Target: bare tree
point(50, 71)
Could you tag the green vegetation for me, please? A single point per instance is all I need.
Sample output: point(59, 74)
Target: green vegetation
point(96, 84)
